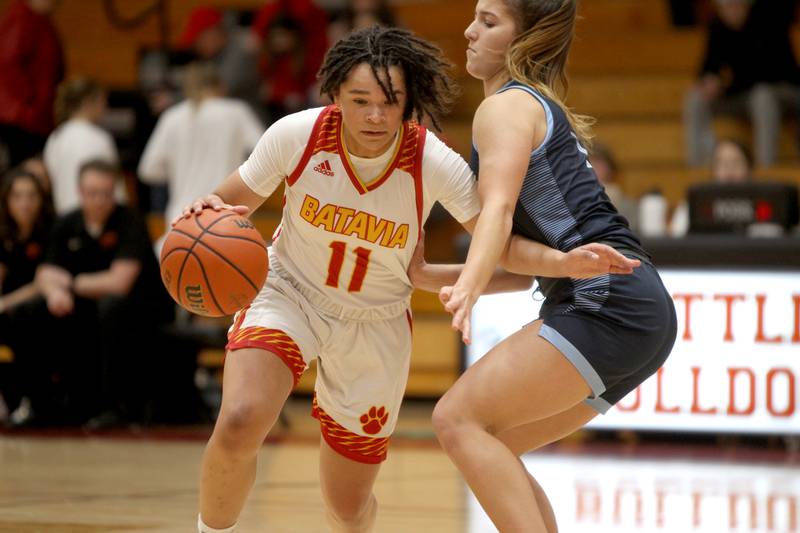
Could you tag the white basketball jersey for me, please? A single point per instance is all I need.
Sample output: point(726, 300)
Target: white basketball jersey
point(351, 239)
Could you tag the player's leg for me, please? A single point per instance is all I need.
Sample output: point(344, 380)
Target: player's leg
point(534, 435)
point(267, 346)
point(347, 485)
point(255, 387)
point(372, 359)
point(522, 380)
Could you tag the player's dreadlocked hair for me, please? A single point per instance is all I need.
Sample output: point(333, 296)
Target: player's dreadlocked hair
point(430, 89)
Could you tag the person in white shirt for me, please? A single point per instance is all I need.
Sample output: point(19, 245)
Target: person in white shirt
point(80, 103)
point(360, 179)
point(199, 140)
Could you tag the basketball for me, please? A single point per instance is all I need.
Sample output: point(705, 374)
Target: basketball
point(214, 263)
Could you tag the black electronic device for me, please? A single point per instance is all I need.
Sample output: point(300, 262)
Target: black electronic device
point(734, 207)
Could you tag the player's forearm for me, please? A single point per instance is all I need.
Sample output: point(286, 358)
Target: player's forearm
point(234, 191)
point(524, 256)
point(488, 245)
point(432, 278)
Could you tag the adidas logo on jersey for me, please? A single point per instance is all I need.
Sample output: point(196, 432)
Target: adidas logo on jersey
point(324, 168)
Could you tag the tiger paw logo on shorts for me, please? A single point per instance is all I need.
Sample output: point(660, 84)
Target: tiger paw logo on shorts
point(373, 420)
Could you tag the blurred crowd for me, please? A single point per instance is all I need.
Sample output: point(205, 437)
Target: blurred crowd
point(94, 336)
point(748, 72)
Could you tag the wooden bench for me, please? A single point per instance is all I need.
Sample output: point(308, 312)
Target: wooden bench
point(614, 96)
point(661, 143)
point(675, 181)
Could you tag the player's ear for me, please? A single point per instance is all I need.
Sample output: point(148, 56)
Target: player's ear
point(335, 96)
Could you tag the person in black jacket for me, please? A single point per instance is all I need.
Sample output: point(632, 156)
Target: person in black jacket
point(750, 70)
point(26, 216)
point(104, 301)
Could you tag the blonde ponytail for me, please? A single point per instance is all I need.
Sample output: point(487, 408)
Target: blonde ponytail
point(538, 55)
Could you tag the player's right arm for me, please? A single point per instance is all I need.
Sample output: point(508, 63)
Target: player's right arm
point(232, 194)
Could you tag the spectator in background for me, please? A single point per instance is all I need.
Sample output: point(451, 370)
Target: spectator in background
point(26, 216)
point(31, 66)
point(360, 14)
point(731, 162)
point(35, 165)
point(749, 69)
point(234, 51)
point(287, 86)
point(605, 168)
point(197, 142)
point(297, 51)
point(80, 104)
point(100, 281)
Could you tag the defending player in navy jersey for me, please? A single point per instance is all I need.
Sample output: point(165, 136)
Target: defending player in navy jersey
point(596, 339)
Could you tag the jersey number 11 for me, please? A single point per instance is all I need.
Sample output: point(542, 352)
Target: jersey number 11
point(338, 249)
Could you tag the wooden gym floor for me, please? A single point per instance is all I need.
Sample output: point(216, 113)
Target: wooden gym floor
point(145, 481)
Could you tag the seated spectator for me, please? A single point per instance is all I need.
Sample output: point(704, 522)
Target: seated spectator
point(234, 52)
point(35, 165)
point(26, 216)
point(358, 14)
point(80, 103)
point(749, 70)
point(731, 163)
point(605, 167)
point(186, 149)
point(101, 283)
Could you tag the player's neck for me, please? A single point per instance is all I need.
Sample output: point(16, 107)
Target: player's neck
point(493, 84)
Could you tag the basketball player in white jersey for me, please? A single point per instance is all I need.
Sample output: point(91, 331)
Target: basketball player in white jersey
point(361, 178)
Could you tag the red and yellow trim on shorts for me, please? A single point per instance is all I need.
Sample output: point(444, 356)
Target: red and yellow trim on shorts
point(368, 450)
point(271, 340)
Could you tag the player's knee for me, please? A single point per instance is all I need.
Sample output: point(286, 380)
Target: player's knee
point(446, 420)
point(350, 513)
point(242, 426)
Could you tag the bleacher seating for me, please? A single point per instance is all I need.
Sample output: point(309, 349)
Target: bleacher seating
point(629, 68)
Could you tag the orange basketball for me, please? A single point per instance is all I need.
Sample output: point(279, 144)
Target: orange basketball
point(214, 263)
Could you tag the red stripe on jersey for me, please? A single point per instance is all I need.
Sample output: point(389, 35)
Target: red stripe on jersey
point(417, 174)
point(310, 146)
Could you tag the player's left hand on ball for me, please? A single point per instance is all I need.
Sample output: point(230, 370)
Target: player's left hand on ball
point(458, 302)
point(595, 259)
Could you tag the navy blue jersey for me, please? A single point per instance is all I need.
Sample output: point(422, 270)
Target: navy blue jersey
point(563, 205)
